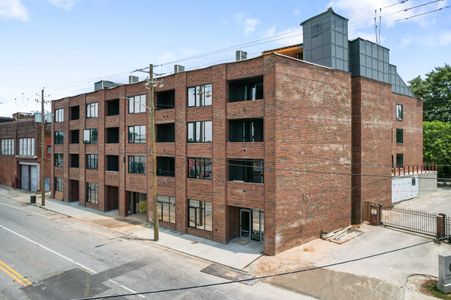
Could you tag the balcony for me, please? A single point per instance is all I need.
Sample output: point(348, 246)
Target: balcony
point(247, 89)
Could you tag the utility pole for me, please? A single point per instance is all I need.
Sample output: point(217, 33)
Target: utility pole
point(153, 157)
point(43, 152)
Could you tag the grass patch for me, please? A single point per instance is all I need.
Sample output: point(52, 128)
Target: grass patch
point(429, 287)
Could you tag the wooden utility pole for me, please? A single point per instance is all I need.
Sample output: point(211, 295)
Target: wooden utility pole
point(43, 152)
point(153, 157)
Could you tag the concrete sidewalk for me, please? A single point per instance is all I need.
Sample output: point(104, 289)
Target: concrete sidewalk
point(233, 254)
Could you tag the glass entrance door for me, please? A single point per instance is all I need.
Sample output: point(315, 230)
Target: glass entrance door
point(245, 223)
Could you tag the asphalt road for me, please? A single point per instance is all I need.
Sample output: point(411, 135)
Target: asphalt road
point(45, 255)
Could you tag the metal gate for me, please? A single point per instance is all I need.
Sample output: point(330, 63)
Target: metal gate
point(412, 220)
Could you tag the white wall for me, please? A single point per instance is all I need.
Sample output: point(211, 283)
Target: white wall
point(403, 189)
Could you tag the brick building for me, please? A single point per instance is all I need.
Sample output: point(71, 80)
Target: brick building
point(20, 153)
point(268, 148)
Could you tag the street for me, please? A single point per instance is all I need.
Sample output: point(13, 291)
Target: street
point(46, 255)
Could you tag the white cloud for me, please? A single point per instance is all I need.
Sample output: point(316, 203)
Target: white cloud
point(250, 24)
point(285, 37)
point(13, 9)
point(64, 4)
point(247, 24)
point(445, 38)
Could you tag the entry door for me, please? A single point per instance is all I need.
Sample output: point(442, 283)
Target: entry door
point(245, 223)
point(24, 178)
point(34, 178)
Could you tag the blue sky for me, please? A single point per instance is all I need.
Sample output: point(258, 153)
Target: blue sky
point(66, 45)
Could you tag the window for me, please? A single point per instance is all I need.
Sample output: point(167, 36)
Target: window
point(246, 89)
point(7, 147)
point(166, 208)
point(112, 163)
point(74, 112)
point(74, 160)
point(165, 133)
point(166, 99)
point(165, 166)
point(58, 184)
point(247, 130)
point(200, 215)
point(399, 112)
point(92, 110)
point(399, 160)
point(49, 149)
point(199, 168)
point(200, 132)
point(137, 134)
point(112, 135)
point(59, 137)
point(247, 170)
point(112, 107)
point(91, 161)
point(58, 159)
point(91, 193)
point(26, 147)
point(136, 164)
point(90, 136)
point(59, 115)
point(137, 104)
point(74, 136)
point(199, 95)
point(399, 136)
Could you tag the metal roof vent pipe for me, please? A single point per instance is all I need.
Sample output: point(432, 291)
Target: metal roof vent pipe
point(133, 79)
point(179, 68)
point(241, 55)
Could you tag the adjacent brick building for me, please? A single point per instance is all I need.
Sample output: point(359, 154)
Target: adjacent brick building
point(269, 148)
point(20, 153)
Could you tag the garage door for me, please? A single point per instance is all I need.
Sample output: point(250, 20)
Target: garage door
point(24, 178)
point(34, 178)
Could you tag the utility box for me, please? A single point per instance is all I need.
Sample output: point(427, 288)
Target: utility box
point(444, 273)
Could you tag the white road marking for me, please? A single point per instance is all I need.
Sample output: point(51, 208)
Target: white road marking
point(67, 258)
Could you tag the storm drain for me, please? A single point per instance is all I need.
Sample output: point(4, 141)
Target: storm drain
point(229, 273)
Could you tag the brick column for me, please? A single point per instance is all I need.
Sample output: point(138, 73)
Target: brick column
point(123, 201)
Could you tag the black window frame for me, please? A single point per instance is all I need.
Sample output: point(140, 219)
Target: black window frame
point(202, 131)
point(199, 209)
point(399, 136)
point(161, 104)
point(246, 130)
point(74, 112)
point(165, 138)
point(137, 134)
point(92, 110)
point(113, 107)
point(58, 137)
point(200, 168)
point(92, 161)
point(136, 104)
point(199, 95)
point(165, 161)
point(166, 203)
point(136, 164)
point(241, 89)
point(399, 112)
point(93, 136)
point(246, 170)
point(399, 160)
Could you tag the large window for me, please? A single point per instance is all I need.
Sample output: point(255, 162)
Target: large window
point(200, 132)
point(112, 135)
point(90, 136)
point(74, 160)
point(8, 147)
point(166, 99)
point(136, 164)
point(199, 95)
point(165, 166)
point(91, 161)
point(165, 133)
point(399, 112)
point(166, 208)
point(199, 168)
point(59, 115)
point(246, 130)
point(399, 136)
point(26, 147)
point(58, 159)
point(137, 134)
point(247, 170)
point(112, 107)
point(74, 136)
point(137, 104)
point(74, 112)
point(59, 137)
point(400, 160)
point(91, 193)
point(92, 110)
point(58, 184)
point(246, 89)
point(112, 163)
point(200, 215)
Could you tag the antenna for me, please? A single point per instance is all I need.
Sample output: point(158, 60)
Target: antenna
point(375, 24)
point(380, 24)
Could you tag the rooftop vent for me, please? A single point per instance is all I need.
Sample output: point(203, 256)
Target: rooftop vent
point(133, 79)
point(241, 55)
point(179, 68)
point(104, 84)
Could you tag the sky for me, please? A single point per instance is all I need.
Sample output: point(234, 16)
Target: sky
point(64, 46)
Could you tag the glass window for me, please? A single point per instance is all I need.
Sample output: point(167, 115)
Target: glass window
point(136, 164)
point(399, 136)
point(399, 160)
point(200, 95)
point(59, 115)
point(92, 110)
point(58, 184)
point(137, 134)
point(199, 168)
point(7, 147)
point(247, 170)
point(200, 132)
point(26, 147)
point(91, 193)
point(58, 159)
point(246, 89)
point(166, 208)
point(91, 161)
point(74, 161)
point(59, 137)
point(137, 104)
point(165, 166)
point(399, 112)
point(90, 136)
point(200, 215)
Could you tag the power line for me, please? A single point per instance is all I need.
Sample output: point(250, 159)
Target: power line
point(422, 14)
point(200, 286)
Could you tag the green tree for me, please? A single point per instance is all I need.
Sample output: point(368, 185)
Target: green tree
point(435, 91)
point(437, 145)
